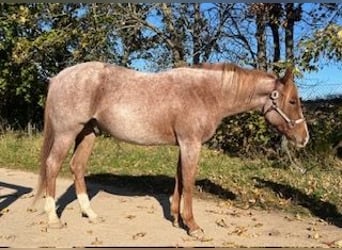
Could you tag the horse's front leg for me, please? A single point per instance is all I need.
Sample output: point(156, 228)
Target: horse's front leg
point(177, 194)
point(189, 156)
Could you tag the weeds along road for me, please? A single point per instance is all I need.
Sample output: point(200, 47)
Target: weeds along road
point(140, 219)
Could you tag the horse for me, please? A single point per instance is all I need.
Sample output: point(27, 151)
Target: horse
point(181, 106)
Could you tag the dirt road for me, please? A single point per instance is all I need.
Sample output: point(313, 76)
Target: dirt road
point(133, 219)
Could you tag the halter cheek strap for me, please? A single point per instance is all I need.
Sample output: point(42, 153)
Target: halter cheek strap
point(274, 96)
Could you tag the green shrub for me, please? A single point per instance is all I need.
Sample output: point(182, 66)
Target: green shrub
point(248, 135)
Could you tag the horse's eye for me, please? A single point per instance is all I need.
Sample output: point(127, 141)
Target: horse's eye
point(292, 102)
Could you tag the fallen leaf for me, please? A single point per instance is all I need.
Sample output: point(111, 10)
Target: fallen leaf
point(315, 236)
point(138, 235)
point(142, 207)
point(231, 244)
point(96, 242)
point(10, 237)
point(221, 223)
point(31, 210)
point(258, 225)
point(206, 239)
point(289, 218)
point(212, 211)
point(130, 217)
point(235, 214)
point(311, 229)
point(4, 211)
point(239, 230)
point(26, 196)
point(337, 243)
point(298, 217)
point(252, 201)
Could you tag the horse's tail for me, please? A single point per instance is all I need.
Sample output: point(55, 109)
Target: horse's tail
point(45, 151)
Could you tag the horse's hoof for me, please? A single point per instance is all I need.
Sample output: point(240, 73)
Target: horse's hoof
point(197, 234)
point(96, 220)
point(56, 225)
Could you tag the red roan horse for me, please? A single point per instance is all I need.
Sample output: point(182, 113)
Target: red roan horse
point(182, 107)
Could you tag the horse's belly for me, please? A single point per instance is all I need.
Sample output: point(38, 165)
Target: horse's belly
point(143, 135)
point(138, 129)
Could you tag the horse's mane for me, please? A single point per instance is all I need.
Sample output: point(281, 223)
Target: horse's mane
point(238, 80)
point(233, 67)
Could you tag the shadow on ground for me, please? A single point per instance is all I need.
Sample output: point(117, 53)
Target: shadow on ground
point(158, 186)
point(322, 209)
point(8, 199)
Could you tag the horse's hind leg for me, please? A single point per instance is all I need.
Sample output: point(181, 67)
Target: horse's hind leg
point(54, 162)
point(83, 147)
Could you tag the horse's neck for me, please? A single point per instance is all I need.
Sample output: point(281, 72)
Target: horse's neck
point(251, 95)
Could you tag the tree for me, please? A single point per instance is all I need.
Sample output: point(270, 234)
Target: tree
point(37, 40)
point(325, 41)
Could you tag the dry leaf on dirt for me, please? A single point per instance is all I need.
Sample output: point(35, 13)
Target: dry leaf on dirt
point(240, 230)
point(4, 211)
point(337, 243)
point(10, 237)
point(26, 196)
point(31, 210)
point(221, 223)
point(258, 225)
point(96, 242)
point(130, 217)
point(231, 244)
point(138, 235)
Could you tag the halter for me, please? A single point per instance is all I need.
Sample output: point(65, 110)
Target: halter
point(274, 96)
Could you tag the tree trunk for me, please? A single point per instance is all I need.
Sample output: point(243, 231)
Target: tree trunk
point(261, 41)
point(289, 32)
point(276, 44)
point(293, 14)
point(174, 37)
point(197, 34)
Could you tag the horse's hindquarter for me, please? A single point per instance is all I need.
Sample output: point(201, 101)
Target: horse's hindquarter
point(70, 99)
point(152, 109)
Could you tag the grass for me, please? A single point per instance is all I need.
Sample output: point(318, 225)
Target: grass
point(243, 183)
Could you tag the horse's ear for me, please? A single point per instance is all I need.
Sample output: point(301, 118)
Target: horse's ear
point(288, 76)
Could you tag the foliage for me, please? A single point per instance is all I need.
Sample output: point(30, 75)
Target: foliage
point(325, 43)
point(37, 40)
point(248, 135)
point(325, 125)
point(245, 135)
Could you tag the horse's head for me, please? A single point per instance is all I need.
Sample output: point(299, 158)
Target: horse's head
point(283, 110)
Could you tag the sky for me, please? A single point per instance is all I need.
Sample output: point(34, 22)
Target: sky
point(325, 82)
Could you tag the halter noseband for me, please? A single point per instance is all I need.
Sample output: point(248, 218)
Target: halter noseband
point(274, 96)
